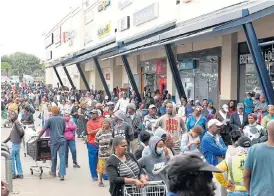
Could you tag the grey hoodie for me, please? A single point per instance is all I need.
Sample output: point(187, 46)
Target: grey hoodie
point(153, 161)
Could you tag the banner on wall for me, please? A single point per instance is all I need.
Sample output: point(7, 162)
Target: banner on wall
point(103, 31)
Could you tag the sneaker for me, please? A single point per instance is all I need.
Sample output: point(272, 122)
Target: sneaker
point(14, 177)
point(76, 166)
point(95, 179)
point(101, 184)
point(62, 178)
point(52, 174)
point(20, 176)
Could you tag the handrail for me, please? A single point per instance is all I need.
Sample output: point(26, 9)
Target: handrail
point(8, 169)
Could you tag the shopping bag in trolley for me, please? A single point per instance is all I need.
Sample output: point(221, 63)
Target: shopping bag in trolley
point(39, 149)
point(153, 188)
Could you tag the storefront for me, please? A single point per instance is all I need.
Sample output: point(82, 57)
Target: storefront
point(199, 72)
point(154, 72)
point(248, 81)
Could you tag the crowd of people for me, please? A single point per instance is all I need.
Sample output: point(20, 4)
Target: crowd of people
point(130, 141)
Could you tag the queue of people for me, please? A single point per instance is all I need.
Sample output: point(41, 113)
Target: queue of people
point(133, 142)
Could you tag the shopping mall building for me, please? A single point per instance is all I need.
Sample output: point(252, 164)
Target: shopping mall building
point(196, 49)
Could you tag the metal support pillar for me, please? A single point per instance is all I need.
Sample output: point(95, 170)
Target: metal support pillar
point(82, 76)
point(68, 76)
point(174, 70)
point(130, 77)
point(255, 51)
point(58, 76)
point(102, 76)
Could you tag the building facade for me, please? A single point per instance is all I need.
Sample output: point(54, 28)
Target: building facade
point(215, 66)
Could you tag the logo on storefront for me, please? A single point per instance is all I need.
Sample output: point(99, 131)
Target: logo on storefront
point(103, 5)
point(103, 31)
point(146, 14)
point(124, 24)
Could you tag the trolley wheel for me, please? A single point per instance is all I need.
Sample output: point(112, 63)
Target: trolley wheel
point(25, 154)
point(40, 176)
point(31, 171)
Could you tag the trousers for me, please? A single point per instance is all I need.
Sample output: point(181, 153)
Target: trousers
point(93, 159)
point(61, 149)
point(15, 159)
point(70, 145)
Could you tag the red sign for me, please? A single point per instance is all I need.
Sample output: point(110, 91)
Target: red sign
point(107, 76)
point(160, 68)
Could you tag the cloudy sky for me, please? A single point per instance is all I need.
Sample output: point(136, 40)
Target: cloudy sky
point(23, 23)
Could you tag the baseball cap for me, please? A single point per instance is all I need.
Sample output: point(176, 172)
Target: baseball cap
point(244, 142)
point(94, 111)
point(132, 106)
point(152, 106)
point(214, 122)
point(187, 162)
point(120, 115)
point(240, 105)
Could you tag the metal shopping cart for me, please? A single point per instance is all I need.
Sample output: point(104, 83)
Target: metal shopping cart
point(39, 150)
point(30, 132)
point(153, 188)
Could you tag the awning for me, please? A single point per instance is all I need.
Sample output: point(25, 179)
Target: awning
point(217, 30)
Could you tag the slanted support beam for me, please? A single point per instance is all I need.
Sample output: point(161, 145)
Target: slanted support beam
point(131, 78)
point(175, 71)
point(68, 76)
point(102, 77)
point(58, 76)
point(259, 63)
point(82, 76)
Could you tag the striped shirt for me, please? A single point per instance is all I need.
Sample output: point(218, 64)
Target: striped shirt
point(128, 169)
point(103, 138)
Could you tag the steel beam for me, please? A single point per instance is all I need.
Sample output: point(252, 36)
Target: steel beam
point(102, 76)
point(130, 77)
point(69, 78)
point(58, 76)
point(174, 70)
point(255, 51)
point(82, 76)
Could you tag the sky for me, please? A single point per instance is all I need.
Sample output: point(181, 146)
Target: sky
point(23, 23)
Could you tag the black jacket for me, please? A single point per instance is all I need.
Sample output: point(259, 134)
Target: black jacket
point(235, 122)
point(117, 182)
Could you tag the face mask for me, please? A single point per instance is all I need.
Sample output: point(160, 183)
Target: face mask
point(160, 151)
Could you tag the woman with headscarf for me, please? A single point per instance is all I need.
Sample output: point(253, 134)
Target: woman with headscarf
point(122, 168)
point(196, 119)
point(16, 135)
point(253, 130)
point(209, 109)
point(102, 139)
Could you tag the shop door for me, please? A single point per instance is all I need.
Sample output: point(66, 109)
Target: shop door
point(162, 84)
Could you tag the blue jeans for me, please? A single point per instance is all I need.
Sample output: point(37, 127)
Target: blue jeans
point(237, 193)
point(93, 159)
point(70, 145)
point(61, 149)
point(15, 159)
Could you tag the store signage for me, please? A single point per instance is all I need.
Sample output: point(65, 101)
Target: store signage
point(88, 17)
point(68, 37)
point(49, 40)
point(48, 55)
point(188, 64)
point(103, 31)
point(103, 5)
point(57, 37)
point(124, 24)
point(160, 67)
point(123, 3)
point(146, 14)
point(107, 76)
point(247, 58)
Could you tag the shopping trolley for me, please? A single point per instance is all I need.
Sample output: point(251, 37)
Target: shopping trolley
point(152, 188)
point(39, 150)
point(30, 132)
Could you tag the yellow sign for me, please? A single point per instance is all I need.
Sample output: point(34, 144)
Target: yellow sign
point(103, 31)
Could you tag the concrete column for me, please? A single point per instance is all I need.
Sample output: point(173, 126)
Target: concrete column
point(229, 68)
point(171, 87)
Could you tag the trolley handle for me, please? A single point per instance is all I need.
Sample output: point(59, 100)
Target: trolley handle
point(155, 182)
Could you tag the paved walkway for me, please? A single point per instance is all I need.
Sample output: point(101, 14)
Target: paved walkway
point(77, 182)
